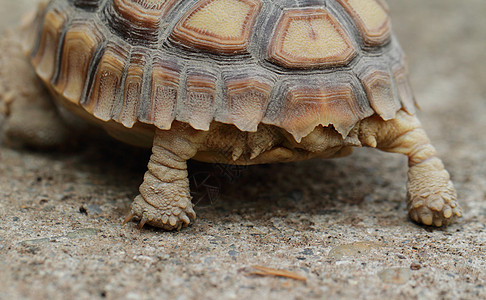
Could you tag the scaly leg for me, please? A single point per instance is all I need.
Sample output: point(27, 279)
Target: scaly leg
point(165, 199)
point(431, 194)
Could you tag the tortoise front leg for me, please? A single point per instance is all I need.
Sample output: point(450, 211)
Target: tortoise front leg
point(165, 199)
point(31, 118)
point(431, 194)
point(35, 123)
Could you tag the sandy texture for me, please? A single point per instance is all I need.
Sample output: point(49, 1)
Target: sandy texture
point(339, 223)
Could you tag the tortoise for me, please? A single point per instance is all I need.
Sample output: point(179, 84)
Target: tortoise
point(223, 81)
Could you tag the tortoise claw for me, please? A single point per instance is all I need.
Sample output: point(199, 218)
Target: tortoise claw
point(180, 215)
point(431, 195)
point(142, 222)
point(128, 218)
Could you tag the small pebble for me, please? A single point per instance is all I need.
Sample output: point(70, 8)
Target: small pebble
point(83, 210)
point(395, 275)
point(353, 249)
point(34, 242)
point(84, 232)
point(94, 209)
point(307, 252)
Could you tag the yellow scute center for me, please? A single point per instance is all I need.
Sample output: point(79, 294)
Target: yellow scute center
point(313, 39)
point(371, 13)
point(221, 18)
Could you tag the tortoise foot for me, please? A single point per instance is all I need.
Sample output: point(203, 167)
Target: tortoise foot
point(431, 194)
point(167, 218)
point(40, 128)
point(166, 205)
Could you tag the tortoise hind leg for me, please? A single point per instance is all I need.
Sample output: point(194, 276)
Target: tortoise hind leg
point(165, 199)
point(431, 194)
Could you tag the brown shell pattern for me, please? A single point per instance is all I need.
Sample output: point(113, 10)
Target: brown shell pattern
point(292, 64)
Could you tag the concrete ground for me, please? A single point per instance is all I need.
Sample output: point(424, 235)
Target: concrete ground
point(341, 224)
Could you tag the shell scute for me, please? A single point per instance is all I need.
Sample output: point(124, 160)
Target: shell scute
point(132, 88)
point(106, 88)
point(310, 38)
point(80, 44)
point(219, 26)
point(308, 103)
point(248, 95)
point(138, 20)
point(165, 82)
point(44, 59)
point(404, 89)
point(402, 84)
point(379, 87)
point(371, 18)
point(198, 104)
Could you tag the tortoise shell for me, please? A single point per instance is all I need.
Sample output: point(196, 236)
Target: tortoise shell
point(292, 64)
